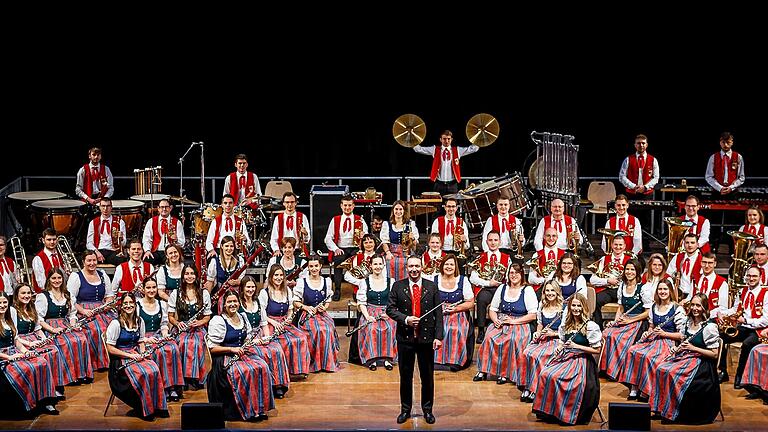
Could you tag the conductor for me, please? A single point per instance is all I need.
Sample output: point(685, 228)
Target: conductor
point(417, 336)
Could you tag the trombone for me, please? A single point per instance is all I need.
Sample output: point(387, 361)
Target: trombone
point(23, 272)
point(68, 257)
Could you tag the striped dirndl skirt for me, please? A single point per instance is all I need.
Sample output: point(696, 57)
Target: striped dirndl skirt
point(377, 339)
point(641, 359)
point(568, 389)
point(247, 383)
point(60, 371)
point(295, 344)
point(139, 385)
point(74, 348)
point(397, 265)
point(618, 341)
point(30, 378)
point(501, 352)
point(323, 343)
point(192, 348)
point(686, 389)
point(168, 359)
point(756, 370)
point(535, 357)
point(273, 354)
point(454, 348)
point(93, 331)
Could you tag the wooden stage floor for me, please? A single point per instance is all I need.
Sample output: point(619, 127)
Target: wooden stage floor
point(356, 398)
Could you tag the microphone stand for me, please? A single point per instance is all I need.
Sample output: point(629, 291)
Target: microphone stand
point(181, 177)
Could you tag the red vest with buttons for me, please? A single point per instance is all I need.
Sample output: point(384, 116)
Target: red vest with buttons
point(88, 186)
point(219, 220)
point(438, 158)
point(47, 266)
point(298, 223)
point(157, 236)
point(496, 223)
point(115, 225)
point(696, 229)
point(11, 267)
point(613, 223)
point(485, 259)
point(733, 168)
point(759, 232)
point(127, 283)
point(357, 224)
point(713, 291)
point(634, 167)
point(442, 223)
point(567, 220)
point(234, 185)
point(605, 263)
point(695, 265)
point(757, 310)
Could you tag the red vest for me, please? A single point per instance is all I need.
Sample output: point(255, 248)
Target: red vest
point(712, 291)
point(11, 267)
point(696, 229)
point(441, 223)
point(695, 270)
point(356, 224)
point(496, 226)
point(759, 232)
point(567, 220)
point(633, 169)
point(613, 223)
point(543, 258)
point(88, 186)
point(438, 158)
point(425, 258)
point(47, 266)
point(219, 219)
point(97, 230)
point(234, 186)
point(157, 235)
point(127, 283)
point(504, 260)
point(644, 278)
point(606, 261)
point(757, 310)
point(733, 169)
point(296, 227)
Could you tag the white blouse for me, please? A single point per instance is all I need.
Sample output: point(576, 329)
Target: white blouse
point(73, 285)
point(594, 334)
point(41, 305)
point(113, 331)
point(217, 328)
point(175, 294)
point(160, 307)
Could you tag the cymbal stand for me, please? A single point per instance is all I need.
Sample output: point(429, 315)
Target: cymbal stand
point(181, 176)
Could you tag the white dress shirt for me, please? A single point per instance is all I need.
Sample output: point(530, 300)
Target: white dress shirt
point(445, 173)
point(710, 173)
point(629, 184)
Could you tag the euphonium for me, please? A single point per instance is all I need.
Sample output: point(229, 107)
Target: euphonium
point(406, 241)
point(488, 272)
point(20, 258)
point(677, 228)
point(742, 243)
point(68, 257)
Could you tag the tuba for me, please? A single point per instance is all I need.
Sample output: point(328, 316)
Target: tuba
point(677, 228)
point(69, 263)
point(742, 242)
point(20, 259)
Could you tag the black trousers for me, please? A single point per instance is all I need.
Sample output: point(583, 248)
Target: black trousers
point(608, 295)
point(408, 352)
point(748, 339)
point(338, 274)
point(446, 188)
point(484, 297)
point(111, 257)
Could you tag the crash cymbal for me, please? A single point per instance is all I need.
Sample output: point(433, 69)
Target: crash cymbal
point(409, 130)
point(482, 130)
point(184, 200)
point(420, 209)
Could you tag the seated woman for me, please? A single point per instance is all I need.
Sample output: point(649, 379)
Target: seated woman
point(291, 263)
point(655, 272)
point(666, 320)
point(169, 275)
point(245, 387)
point(293, 340)
point(29, 326)
point(220, 271)
point(22, 367)
point(55, 306)
point(456, 292)
point(311, 297)
point(512, 309)
point(376, 339)
point(399, 230)
point(630, 320)
point(684, 387)
point(154, 313)
point(567, 389)
point(545, 339)
point(133, 377)
point(568, 276)
point(189, 309)
point(256, 314)
point(755, 378)
point(88, 289)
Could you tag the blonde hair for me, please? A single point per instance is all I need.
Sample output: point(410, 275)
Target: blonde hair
point(558, 301)
point(570, 322)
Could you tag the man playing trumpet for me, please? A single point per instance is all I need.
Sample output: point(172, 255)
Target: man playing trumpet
point(106, 235)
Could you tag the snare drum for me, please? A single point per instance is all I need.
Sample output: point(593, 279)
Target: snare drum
point(131, 212)
point(63, 215)
point(202, 218)
point(482, 203)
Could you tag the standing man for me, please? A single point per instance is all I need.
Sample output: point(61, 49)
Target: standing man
point(345, 233)
point(418, 335)
point(639, 172)
point(725, 169)
point(106, 235)
point(161, 230)
point(242, 185)
point(565, 225)
point(290, 223)
point(446, 172)
point(624, 221)
point(94, 179)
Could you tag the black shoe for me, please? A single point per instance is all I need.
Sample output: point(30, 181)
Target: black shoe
point(752, 396)
point(722, 376)
point(501, 380)
point(49, 409)
point(279, 393)
point(336, 296)
point(643, 399)
point(403, 417)
point(429, 418)
point(372, 366)
point(480, 337)
point(479, 377)
point(737, 383)
point(163, 414)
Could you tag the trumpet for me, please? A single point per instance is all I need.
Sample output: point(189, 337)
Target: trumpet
point(69, 262)
point(20, 258)
point(573, 240)
point(458, 240)
point(117, 237)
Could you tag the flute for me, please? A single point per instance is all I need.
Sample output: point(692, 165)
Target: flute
point(648, 334)
point(252, 340)
point(560, 352)
point(613, 323)
point(677, 350)
point(27, 355)
point(363, 324)
point(309, 315)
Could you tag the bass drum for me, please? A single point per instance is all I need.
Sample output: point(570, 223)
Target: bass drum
point(480, 201)
point(130, 211)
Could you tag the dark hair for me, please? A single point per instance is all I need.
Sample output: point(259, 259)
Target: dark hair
point(447, 133)
point(49, 232)
point(227, 196)
point(181, 304)
point(6, 317)
point(135, 240)
point(493, 231)
point(27, 310)
point(289, 194)
point(243, 282)
point(445, 260)
point(129, 320)
point(638, 271)
point(63, 287)
point(95, 150)
point(576, 267)
point(346, 197)
point(241, 156)
point(760, 215)
point(621, 197)
point(178, 248)
point(287, 240)
point(693, 197)
point(725, 136)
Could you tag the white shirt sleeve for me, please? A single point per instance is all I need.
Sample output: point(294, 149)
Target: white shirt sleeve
point(80, 183)
point(110, 181)
point(117, 279)
point(646, 295)
point(475, 279)
point(656, 174)
point(217, 329)
point(414, 230)
point(740, 174)
point(41, 305)
point(164, 315)
point(531, 302)
point(711, 335)
point(210, 274)
point(722, 299)
point(680, 318)
point(172, 298)
point(384, 235)
point(623, 175)
point(329, 243)
point(73, 286)
point(594, 335)
point(704, 234)
point(298, 292)
point(89, 237)
point(427, 151)
point(581, 286)
point(206, 302)
point(466, 290)
point(38, 271)
point(146, 238)
point(538, 239)
point(273, 236)
point(466, 151)
point(180, 238)
point(160, 276)
point(209, 246)
point(496, 300)
point(637, 237)
point(113, 332)
point(709, 174)
point(362, 292)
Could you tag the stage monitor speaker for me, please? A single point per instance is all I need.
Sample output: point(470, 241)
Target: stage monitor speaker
point(629, 416)
point(198, 416)
point(324, 203)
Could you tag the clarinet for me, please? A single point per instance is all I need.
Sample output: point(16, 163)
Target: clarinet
point(261, 341)
point(666, 321)
point(27, 355)
point(613, 323)
point(363, 324)
point(236, 274)
point(560, 353)
point(688, 339)
point(558, 315)
point(309, 315)
point(148, 353)
point(95, 312)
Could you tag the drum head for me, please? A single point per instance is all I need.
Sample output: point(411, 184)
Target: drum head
point(36, 195)
point(58, 204)
point(150, 197)
point(126, 204)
